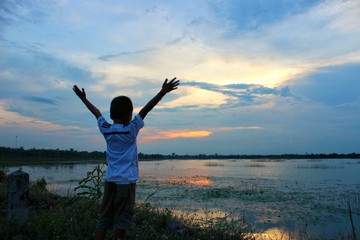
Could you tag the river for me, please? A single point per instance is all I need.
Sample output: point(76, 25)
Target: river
point(282, 198)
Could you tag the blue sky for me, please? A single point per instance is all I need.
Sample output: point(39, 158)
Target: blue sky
point(257, 77)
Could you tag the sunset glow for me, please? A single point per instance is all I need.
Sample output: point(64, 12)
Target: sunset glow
point(176, 134)
point(256, 78)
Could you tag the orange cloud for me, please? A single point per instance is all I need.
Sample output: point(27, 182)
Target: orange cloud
point(176, 134)
point(151, 134)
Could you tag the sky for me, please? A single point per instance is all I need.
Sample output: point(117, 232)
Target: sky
point(257, 77)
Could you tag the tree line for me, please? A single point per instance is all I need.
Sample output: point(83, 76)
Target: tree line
point(254, 156)
point(7, 153)
point(71, 154)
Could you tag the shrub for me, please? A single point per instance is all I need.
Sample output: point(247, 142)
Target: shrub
point(75, 220)
point(2, 175)
point(41, 183)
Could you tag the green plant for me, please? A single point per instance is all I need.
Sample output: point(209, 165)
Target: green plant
point(3, 193)
point(41, 183)
point(67, 220)
point(2, 175)
point(91, 185)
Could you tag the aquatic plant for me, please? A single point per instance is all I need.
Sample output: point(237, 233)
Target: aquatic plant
point(268, 160)
point(319, 166)
point(213, 164)
point(254, 165)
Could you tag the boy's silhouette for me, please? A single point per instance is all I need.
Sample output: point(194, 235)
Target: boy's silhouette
point(122, 159)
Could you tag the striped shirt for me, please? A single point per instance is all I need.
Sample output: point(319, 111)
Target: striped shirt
point(121, 150)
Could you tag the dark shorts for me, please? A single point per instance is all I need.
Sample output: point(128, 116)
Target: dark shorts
point(117, 209)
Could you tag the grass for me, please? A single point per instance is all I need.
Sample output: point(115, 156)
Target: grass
point(267, 160)
point(55, 217)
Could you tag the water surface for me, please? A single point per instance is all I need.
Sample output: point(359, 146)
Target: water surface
point(291, 196)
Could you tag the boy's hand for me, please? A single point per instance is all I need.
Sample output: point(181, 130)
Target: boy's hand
point(169, 86)
point(166, 87)
point(80, 93)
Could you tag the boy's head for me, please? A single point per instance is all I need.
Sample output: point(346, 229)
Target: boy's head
point(121, 108)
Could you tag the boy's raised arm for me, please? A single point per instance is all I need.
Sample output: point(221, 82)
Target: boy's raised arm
point(82, 95)
point(166, 88)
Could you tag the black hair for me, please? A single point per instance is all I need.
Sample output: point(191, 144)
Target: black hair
point(120, 107)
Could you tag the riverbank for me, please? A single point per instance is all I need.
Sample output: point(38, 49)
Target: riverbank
point(161, 213)
point(55, 217)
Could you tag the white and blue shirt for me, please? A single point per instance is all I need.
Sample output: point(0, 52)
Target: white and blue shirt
point(121, 150)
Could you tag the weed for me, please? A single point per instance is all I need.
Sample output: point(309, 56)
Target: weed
point(91, 185)
point(2, 175)
point(41, 183)
point(66, 220)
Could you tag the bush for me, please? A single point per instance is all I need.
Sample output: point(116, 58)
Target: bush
point(2, 176)
point(41, 183)
point(75, 220)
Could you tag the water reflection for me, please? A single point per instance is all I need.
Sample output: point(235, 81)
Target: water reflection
point(208, 217)
point(274, 233)
point(196, 180)
point(63, 189)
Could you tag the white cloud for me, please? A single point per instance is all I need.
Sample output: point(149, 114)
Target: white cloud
point(19, 121)
point(130, 47)
point(298, 45)
point(197, 98)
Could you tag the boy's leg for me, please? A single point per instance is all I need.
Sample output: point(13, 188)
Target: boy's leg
point(100, 234)
point(125, 201)
point(105, 219)
point(120, 234)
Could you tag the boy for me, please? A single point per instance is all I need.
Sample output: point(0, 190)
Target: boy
point(122, 159)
